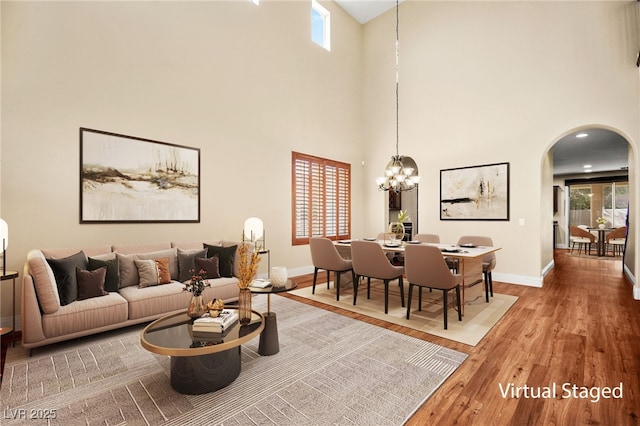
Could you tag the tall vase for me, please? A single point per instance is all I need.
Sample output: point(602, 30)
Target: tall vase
point(244, 306)
point(197, 307)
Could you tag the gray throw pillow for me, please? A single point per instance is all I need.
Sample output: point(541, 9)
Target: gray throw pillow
point(65, 272)
point(112, 280)
point(186, 262)
point(226, 257)
point(147, 272)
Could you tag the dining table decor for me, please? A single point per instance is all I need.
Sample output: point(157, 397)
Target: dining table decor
point(197, 306)
point(249, 262)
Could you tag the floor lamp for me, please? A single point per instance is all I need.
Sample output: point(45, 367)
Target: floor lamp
point(4, 234)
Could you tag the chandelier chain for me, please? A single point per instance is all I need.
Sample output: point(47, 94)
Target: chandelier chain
point(397, 77)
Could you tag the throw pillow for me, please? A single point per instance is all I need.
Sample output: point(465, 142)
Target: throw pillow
point(210, 266)
point(129, 272)
point(91, 283)
point(162, 266)
point(186, 262)
point(147, 271)
point(226, 257)
point(65, 272)
point(112, 280)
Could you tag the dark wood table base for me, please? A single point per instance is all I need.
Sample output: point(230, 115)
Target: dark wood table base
point(195, 375)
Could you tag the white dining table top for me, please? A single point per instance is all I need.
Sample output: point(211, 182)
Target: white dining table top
point(451, 250)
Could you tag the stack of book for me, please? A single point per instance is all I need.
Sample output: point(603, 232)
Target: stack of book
point(219, 324)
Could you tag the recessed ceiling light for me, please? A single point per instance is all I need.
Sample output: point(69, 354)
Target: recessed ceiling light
point(582, 135)
point(587, 166)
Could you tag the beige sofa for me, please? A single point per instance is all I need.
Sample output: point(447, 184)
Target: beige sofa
point(46, 320)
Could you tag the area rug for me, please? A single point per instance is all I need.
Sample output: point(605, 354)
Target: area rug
point(330, 370)
point(479, 316)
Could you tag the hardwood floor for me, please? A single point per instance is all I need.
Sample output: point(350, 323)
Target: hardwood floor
point(582, 328)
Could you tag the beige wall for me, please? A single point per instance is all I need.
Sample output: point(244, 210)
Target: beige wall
point(481, 82)
point(243, 83)
point(486, 82)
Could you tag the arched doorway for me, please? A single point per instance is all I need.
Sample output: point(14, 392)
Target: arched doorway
point(611, 157)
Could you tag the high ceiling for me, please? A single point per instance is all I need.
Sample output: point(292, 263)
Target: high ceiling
point(606, 151)
point(365, 10)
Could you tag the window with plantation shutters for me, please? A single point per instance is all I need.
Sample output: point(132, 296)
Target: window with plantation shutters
point(321, 198)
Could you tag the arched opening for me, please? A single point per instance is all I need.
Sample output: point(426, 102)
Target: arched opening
point(590, 170)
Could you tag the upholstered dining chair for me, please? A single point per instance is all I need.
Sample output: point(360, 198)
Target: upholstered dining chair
point(616, 240)
point(425, 267)
point(324, 255)
point(370, 261)
point(427, 238)
point(582, 237)
point(452, 263)
point(488, 260)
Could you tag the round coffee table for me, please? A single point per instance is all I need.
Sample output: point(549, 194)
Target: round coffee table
point(200, 362)
point(269, 344)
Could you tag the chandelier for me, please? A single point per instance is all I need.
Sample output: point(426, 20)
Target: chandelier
point(401, 173)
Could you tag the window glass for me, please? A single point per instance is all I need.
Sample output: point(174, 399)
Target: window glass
point(320, 25)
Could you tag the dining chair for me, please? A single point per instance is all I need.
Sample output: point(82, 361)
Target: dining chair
point(324, 255)
point(452, 263)
point(370, 261)
point(582, 237)
point(425, 267)
point(427, 238)
point(488, 260)
point(616, 239)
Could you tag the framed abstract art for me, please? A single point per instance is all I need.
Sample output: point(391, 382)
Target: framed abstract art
point(475, 192)
point(126, 179)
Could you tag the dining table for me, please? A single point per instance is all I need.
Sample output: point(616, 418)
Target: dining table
point(601, 242)
point(468, 256)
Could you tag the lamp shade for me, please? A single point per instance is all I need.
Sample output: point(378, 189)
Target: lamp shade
point(253, 229)
point(4, 233)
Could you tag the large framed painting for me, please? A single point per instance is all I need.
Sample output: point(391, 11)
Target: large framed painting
point(126, 179)
point(475, 192)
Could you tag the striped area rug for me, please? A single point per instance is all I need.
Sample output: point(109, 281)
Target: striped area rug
point(330, 370)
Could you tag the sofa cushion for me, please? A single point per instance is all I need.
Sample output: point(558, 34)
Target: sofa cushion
point(44, 282)
point(129, 272)
point(85, 315)
point(160, 299)
point(91, 283)
point(112, 279)
point(186, 262)
point(209, 265)
point(226, 257)
point(65, 272)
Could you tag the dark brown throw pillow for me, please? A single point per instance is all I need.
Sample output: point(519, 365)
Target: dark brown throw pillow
point(91, 283)
point(164, 276)
point(209, 265)
point(112, 281)
point(226, 257)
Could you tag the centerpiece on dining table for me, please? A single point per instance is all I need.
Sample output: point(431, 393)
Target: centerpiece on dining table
point(601, 221)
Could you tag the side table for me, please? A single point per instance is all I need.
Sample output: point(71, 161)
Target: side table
point(269, 344)
point(11, 275)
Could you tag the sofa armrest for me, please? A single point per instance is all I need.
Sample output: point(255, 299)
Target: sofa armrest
point(31, 317)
